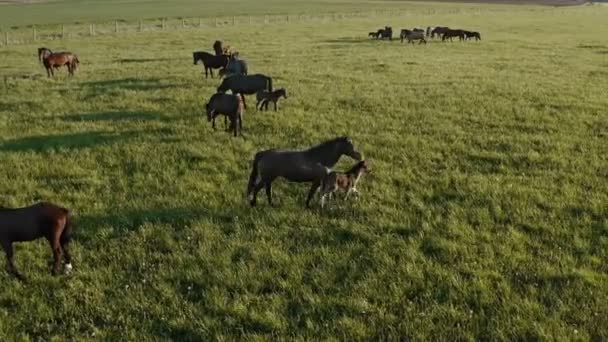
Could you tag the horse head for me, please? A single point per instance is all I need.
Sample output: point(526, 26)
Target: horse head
point(348, 148)
point(209, 111)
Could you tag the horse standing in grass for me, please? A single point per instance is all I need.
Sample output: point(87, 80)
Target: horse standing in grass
point(245, 85)
point(231, 106)
point(310, 165)
point(439, 31)
point(411, 36)
point(52, 61)
point(30, 223)
point(469, 34)
point(210, 61)
point(449, 34)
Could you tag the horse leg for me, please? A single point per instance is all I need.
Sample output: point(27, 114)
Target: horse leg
point(275, 105)
point(311, 193)
point(56, 247)
point(244, 104)
point(10, 265)
point(255, 191)
point(67, 257)
point(268, 186)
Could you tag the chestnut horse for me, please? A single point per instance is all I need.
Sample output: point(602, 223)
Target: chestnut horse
point(56, 60)
point(30, 223)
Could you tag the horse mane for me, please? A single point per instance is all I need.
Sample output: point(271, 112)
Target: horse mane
point(328, 143)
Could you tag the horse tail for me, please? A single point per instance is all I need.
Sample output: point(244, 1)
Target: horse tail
point(66, 234)
point(269, 83)
point(254, 174)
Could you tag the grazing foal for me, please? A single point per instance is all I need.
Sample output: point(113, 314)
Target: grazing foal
point(264, 96)
point(346, 181)
point(30, 223)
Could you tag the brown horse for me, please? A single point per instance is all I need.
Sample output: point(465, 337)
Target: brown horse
point(56, 60)
point(30, 223)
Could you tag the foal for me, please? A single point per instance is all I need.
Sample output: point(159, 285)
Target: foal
point(346, 181)
point(30, 223)
point(264, 96)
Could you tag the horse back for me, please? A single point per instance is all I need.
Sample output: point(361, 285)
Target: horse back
point(29, 223)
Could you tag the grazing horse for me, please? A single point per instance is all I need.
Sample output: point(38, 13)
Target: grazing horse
point(245, 85)
point(210, 61)
point(373, 34)
point(229, 105)
point(56, 60)
point(30, 223)
point(439, 31)
point(412, 35)
point(310, 165)
point(449, 34)
point(469, 34)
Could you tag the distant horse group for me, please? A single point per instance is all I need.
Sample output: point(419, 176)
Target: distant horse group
point(421, 35)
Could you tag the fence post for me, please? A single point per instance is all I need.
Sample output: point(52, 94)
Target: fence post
point(140, 26)
point(91, 30)
point(62, 31)
point(5, 38)
point(34, 32)
point(162, 23)
point(116, 26)
point(183, 23)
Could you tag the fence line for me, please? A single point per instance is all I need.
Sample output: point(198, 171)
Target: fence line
point(33, 33)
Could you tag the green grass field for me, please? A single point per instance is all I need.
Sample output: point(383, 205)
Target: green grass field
point(486, 216)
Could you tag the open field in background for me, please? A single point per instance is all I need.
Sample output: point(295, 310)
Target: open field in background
point(486, 216)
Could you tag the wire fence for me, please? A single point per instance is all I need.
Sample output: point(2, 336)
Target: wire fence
point(33, 33)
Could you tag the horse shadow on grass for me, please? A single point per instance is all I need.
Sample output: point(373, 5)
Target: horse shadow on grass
point(114, 116)
point(142, 60)
point(46, 143)
point(115, 87)
point(126, 221)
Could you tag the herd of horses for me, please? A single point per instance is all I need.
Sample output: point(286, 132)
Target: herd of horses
point(236, 79)
point(313, 165)
point(419, 34)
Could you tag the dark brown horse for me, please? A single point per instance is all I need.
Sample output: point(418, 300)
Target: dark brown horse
point(449, 34)
point(439, 31)
point(310, 165)
point(56, 60)
point(231, 106)
point(30, 223)
point(210, 61)
point(471, 34)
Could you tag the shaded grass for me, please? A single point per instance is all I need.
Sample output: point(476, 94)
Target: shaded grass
point(485, 217)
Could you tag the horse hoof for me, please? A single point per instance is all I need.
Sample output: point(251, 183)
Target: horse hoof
point(68, 269)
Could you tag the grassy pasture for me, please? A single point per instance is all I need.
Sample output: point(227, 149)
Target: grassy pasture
point(486, 216)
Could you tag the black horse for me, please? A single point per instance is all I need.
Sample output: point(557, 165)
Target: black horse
point(228, 105)
point(439, 31)
point(210, 61)
point(297, 166)
point(471, 34)
point(449, 34)
point(245, 85)
point(386, 32)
